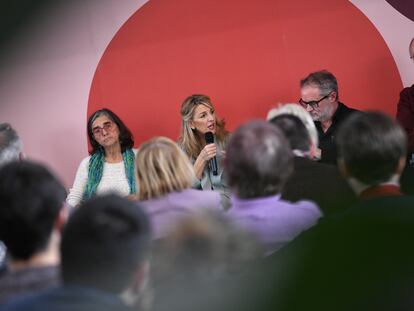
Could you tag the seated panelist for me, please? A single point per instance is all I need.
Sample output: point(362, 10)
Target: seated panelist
point(111, 164)
point(204, 139)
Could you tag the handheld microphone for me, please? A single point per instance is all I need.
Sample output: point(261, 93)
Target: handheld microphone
point(213, 161)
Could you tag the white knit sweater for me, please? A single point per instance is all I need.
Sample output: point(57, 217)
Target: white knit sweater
point(113, 180)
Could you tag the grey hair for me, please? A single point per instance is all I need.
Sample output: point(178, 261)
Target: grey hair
point(323, 80)
point(10, 144)
point(297, 111)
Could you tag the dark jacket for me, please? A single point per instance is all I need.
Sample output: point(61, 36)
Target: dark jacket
point(319, 182)
point(405, 114)
point(327, 140)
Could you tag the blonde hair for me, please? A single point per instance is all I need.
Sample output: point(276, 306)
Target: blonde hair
point(300, 112)
point(162, 167)
point(190, 140)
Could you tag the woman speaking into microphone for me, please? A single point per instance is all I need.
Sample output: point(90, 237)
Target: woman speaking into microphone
point(204, 138)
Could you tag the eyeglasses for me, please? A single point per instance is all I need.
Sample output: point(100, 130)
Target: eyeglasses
point(313, 103)
point(107, 126)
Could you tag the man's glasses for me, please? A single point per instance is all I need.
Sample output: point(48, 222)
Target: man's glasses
point(107, 126)
point(313, 103)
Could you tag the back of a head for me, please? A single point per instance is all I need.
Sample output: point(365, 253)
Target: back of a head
point(371, 145)
point(11, 146)
point(258, 161)
point(31, 198)
point(162, 167)
point(298, 111)
point(294, 130)
point(206, 255)
point(204, 243)
point(104, 243)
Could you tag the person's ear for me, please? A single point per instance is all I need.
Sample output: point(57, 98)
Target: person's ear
point(333, 96)
point(62, 218)
point(314, 151)
point(343, 169)
point(191, 124)
point(138, 285)
point(140, 276)
point(401, 166)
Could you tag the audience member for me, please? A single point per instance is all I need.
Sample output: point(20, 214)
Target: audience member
point(198, 118)
point(165, 176)
point(301, 113)
point(319, 182)
point(361, 259)
point(258, 163)
point(11, 149)
point(200, 263)
point(31, 218)
point(372, 155)
point(104, 253)
point(320, 97)
point(110, 167)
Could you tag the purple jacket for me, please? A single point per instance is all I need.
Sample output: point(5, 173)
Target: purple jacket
point(274, 221)
point(164, 212)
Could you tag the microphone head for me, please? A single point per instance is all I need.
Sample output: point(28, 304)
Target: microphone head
point(209, 137)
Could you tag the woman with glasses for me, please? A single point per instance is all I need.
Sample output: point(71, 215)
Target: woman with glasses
point(111, 164)
point(198, 118)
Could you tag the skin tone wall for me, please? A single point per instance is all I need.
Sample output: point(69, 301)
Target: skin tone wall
point(46, 75)
point(48, 67)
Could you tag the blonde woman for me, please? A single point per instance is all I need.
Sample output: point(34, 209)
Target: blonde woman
point(199, 117)
point(165, 177)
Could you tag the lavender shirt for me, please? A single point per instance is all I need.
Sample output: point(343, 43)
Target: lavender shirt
point(274, 221)
point(164, 212)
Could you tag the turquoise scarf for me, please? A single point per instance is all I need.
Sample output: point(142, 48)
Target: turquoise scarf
point(95, 171)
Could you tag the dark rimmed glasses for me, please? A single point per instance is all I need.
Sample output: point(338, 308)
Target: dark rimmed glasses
point(107, 126)
point(313, 103)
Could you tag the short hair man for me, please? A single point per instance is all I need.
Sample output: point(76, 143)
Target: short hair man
point(318, 182)
point(258, 163)
point(104, 254)
point(363, 256)
point(11, 147)
point(372, 152)
point(320, 97)
point(31, 216)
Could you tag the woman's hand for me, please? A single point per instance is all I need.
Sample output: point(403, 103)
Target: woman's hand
point(208, 152)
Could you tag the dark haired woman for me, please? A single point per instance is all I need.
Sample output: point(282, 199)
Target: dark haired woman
point(111, 164)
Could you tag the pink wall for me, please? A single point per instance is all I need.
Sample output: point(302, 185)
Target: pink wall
point(45, 81)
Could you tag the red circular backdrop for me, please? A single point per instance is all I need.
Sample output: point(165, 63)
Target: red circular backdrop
point(246, 55)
